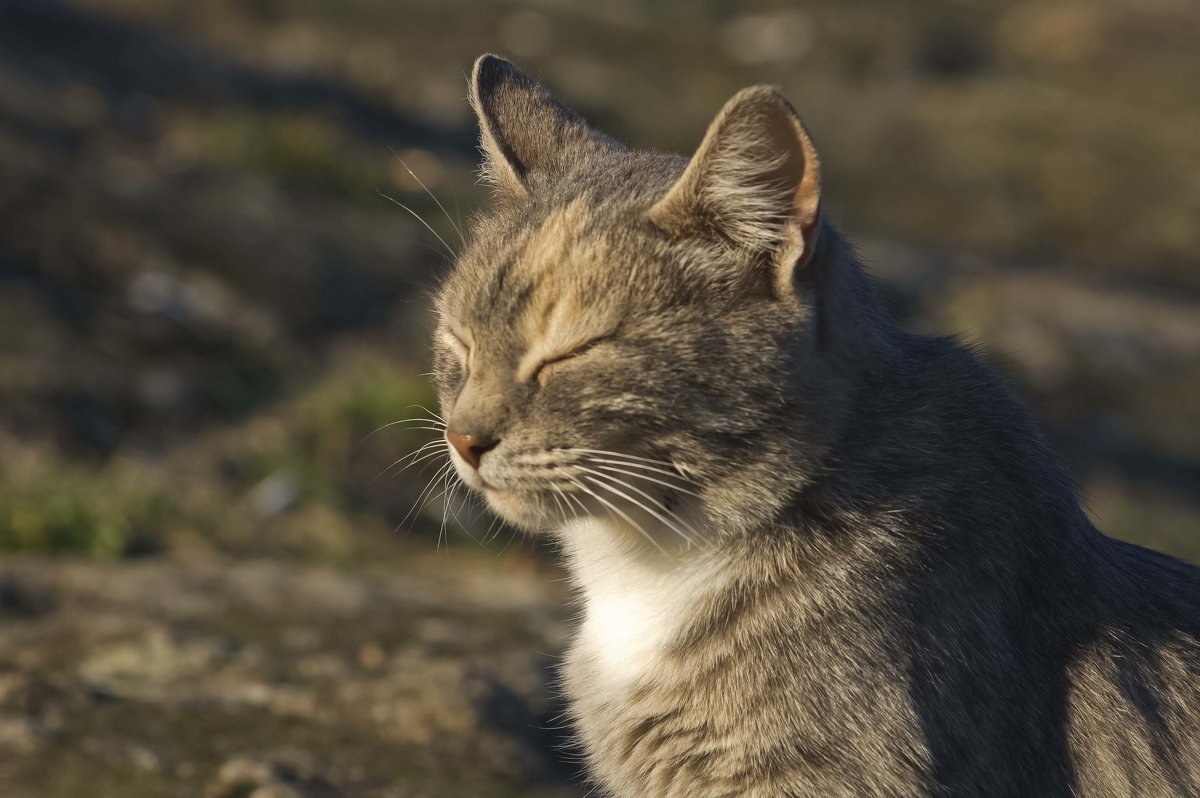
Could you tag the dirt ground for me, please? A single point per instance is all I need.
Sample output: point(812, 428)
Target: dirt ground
point(222, 678)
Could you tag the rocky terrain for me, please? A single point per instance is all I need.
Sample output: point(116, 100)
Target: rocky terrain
point(430, 676)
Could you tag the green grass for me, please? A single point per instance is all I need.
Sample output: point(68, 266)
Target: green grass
point(82, 512)
point(329, 442)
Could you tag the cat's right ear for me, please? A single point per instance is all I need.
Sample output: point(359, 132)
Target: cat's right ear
point(527, 137)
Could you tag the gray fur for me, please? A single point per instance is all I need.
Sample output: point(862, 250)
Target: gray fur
point(896, 592)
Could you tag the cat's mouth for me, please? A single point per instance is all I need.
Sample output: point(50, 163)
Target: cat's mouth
point(547, 489)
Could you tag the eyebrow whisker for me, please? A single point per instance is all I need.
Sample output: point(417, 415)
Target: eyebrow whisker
point(417, 216)
point(432, 196)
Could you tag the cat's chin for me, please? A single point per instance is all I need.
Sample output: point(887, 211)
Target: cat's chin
point(521, 510)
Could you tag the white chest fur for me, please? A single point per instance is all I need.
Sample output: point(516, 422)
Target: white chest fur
point(635, 599)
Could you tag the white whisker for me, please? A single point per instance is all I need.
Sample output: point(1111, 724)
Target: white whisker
point(643, 476)
point(427, 410)
point(418, 456)
point(439, 428)
point(493, 530)
point(445, 505)
point(429, 488)
point(670, 525)
point(628, 519)
point(431, 196)
point(417, 216)
point(625, 456)
point(631, 461)
point(427, 459)
point(455, 489)
point(511, 538)
point(416, 420)
point(557, 503)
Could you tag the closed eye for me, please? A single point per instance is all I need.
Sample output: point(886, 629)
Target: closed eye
point(461, 350)
point(546, 366)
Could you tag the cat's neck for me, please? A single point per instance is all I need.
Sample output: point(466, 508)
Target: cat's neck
point(635, 598)
point(935, 443)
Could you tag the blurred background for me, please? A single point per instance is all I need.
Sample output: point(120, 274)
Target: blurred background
point(216, 576)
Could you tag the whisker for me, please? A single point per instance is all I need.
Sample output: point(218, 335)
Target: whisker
point(670, 525)
point(511, 538)
point(454, 491)
point(429, 488)
point(428, 429)
point(634, 464)
point(415, 420)
point(439, 426)
point(619, 512)
point(631, 461)
point(672, 519)
point(643, 476)
point(457, 212)
point(450, 495)
point(417, 216)
point(626, 456)
point(476, 503)
point(431, 196)
point(427, 410)
point(445, 504)
point(493, 530)
point(428, 462)
point(416, 456)
point(554, 494)
point(437, 448)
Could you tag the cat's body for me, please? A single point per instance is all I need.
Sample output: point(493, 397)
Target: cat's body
point(876, 644)
point(817, 556)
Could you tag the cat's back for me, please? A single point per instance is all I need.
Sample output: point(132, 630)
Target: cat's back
point(1133, 698)
point(1122, 621)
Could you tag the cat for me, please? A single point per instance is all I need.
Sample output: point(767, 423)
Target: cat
point(817, 555)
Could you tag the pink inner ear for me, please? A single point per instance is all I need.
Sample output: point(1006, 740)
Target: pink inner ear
point(754, 177)
point(800, 168)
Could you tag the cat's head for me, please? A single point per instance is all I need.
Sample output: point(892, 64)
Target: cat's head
point(642, 336)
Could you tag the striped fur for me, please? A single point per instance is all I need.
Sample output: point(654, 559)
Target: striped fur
point(816, 555)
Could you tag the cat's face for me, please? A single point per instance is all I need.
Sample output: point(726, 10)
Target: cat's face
point(608, 344)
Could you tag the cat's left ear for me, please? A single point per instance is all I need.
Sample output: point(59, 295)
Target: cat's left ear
point(755, 183)
point(528, 138)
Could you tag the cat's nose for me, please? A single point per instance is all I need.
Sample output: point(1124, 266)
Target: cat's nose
point(471, 447)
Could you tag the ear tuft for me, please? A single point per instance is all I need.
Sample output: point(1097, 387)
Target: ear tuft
point(527, 137)
point(754, 182)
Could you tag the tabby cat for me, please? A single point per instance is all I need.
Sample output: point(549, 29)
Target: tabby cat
point(817, 555)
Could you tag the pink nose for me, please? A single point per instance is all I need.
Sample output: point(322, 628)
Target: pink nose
point(471, 447)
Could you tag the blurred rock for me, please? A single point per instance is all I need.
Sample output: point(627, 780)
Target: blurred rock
point(274, 494)
point(248, 778)
point(156, 664)
point(17, 736)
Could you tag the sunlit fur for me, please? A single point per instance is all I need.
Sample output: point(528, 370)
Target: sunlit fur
point(818, 556)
